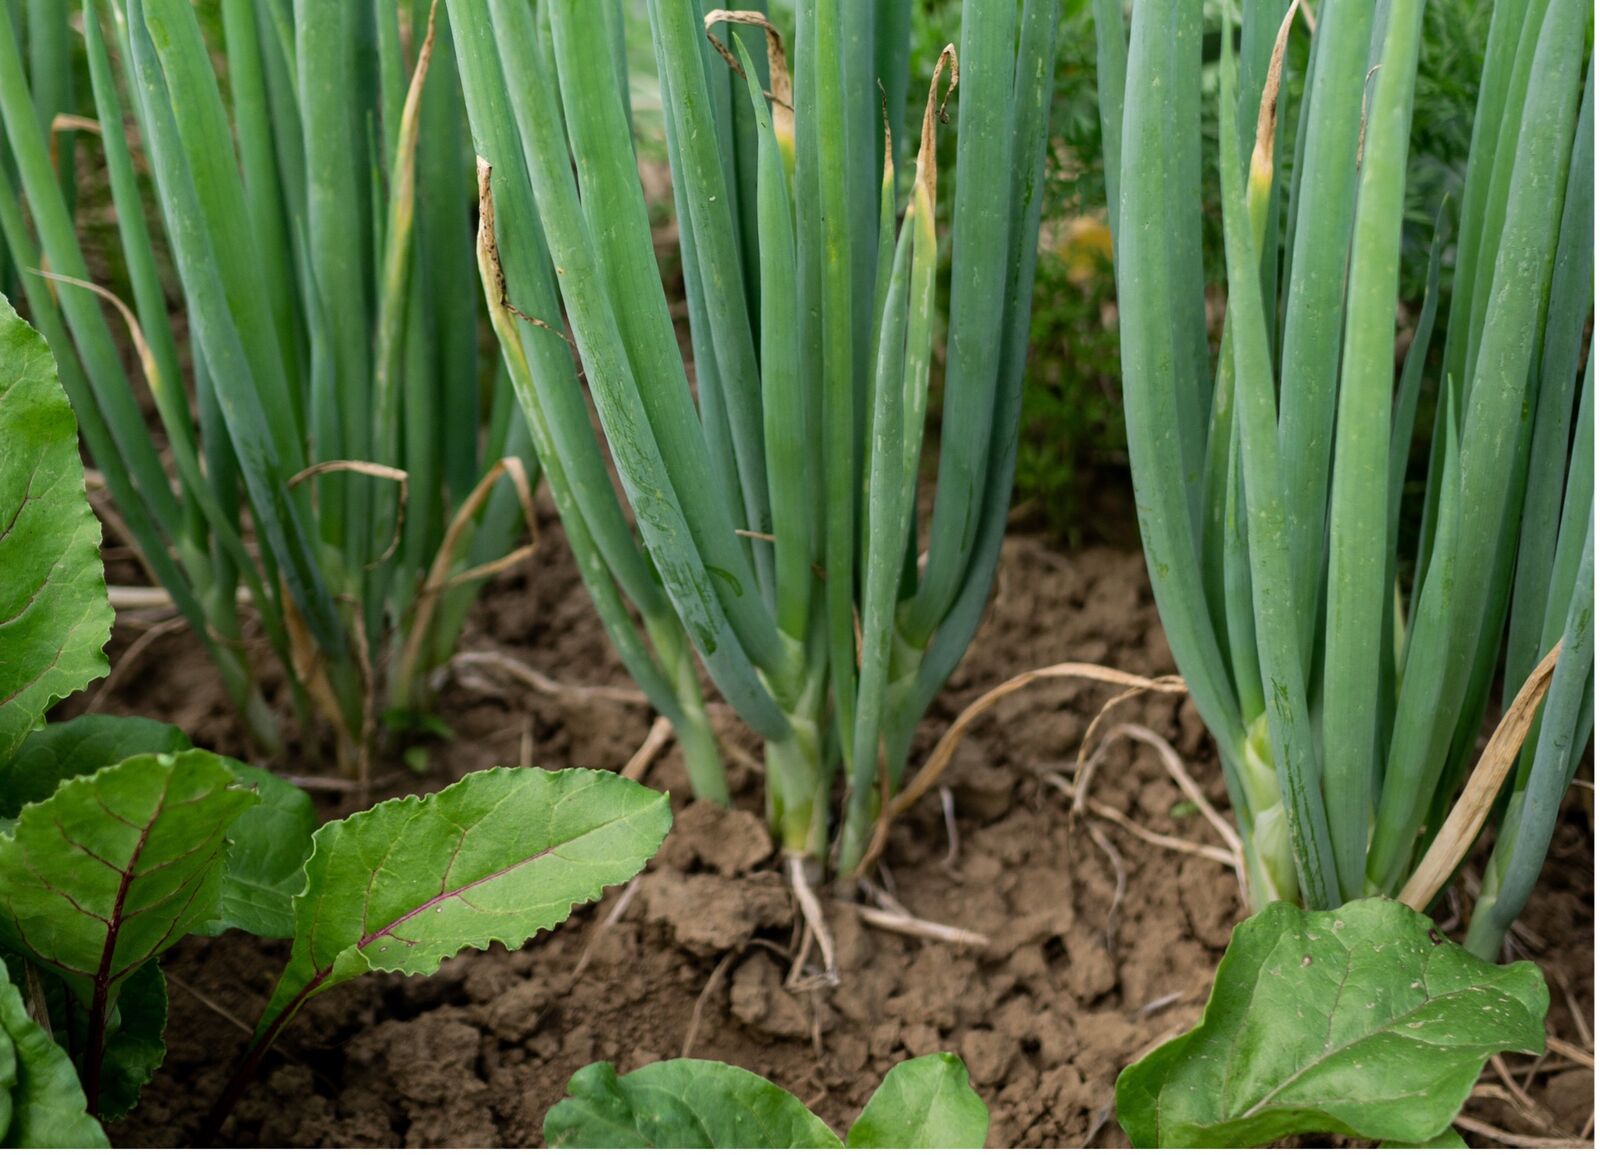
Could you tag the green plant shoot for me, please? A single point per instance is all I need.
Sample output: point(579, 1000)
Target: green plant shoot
point(775, 502)
point(324, 403)
point(1344, 669)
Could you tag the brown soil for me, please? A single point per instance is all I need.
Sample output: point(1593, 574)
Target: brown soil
point(1073, 985)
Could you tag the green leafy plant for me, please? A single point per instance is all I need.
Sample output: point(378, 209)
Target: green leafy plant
point(1237, 527)
point(775, 503)
point(54, 621)
point(1344, 670)
point(41, 1103)
point(113, 869)
point(319, 449)
point(926, 1102)
point(1310, 1004)
point(495, 858)
point(118, 839)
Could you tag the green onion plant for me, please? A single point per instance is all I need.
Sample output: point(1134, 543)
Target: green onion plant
point(319, 449)
point(775, 499)
point(1344, 667)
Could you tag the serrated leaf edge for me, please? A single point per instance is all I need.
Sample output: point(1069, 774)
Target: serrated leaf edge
point(321, 976)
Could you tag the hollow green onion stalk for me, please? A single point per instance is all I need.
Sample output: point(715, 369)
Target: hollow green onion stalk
point(1344, 669)
point(318, 444)
point(774, 530)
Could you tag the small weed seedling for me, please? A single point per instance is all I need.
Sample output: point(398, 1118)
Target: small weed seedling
point(926, 1102)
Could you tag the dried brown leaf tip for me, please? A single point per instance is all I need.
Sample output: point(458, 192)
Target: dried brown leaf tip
point(782, 88)
point(927, 168)
point(1267, 117)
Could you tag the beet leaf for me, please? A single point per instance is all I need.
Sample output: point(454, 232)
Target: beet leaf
point(497, 857)
point(54, 616)
point(41, 1104)
point(113, 869)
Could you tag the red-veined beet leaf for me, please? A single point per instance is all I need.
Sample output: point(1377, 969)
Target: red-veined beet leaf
point(497, 857)
point(114, 868)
